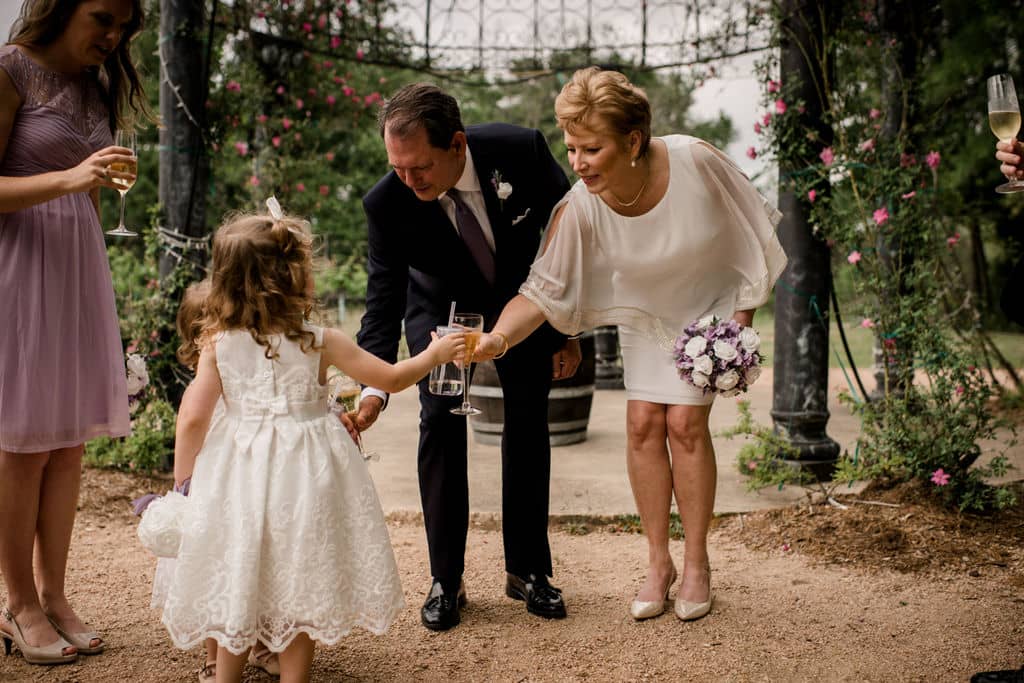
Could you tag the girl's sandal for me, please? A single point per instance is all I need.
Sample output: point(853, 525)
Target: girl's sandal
point(208, 674)
point(261, 657)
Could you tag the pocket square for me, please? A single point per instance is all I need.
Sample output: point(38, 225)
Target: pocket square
point(521, 217)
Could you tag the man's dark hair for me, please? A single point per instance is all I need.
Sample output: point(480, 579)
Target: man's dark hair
point(421, 105)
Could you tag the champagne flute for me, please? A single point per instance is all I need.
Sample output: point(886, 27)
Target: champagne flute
point(1004, 118)
point(124, 138)
point(345, 392)
point(473, 324)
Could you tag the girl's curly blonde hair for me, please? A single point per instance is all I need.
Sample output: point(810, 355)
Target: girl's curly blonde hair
point(261, 280)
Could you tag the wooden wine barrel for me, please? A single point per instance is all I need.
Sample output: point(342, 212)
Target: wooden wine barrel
point(569, 402)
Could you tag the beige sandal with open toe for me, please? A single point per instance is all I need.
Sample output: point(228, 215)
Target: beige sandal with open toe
point(82, 641)
point(46, 655)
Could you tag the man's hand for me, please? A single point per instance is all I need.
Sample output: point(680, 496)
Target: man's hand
point(565, 361)
point(369, 411)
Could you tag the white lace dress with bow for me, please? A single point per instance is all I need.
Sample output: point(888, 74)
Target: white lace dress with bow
point(284, 532)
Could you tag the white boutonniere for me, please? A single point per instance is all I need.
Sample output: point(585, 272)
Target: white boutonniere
point(501, 187)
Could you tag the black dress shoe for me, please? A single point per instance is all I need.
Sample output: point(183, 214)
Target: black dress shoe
point(441, 610)
point(541, 597)
point(1010, 676)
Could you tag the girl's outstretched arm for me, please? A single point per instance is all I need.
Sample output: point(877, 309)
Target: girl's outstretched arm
point(197, 404)
point(366, 368)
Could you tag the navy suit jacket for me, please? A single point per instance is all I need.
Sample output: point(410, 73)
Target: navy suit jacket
point(418, 264)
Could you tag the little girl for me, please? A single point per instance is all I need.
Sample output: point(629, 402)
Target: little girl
point(284, 540)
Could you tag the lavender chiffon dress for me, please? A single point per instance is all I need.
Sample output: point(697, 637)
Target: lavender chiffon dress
point(62, 372)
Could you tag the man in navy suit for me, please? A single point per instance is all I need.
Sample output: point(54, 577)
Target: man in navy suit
point(459, 218)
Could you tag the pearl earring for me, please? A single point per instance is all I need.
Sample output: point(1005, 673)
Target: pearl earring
point(633, 163)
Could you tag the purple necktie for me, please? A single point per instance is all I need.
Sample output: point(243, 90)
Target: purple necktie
point(473, 235)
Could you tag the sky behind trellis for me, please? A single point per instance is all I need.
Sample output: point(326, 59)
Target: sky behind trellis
point(734, 90)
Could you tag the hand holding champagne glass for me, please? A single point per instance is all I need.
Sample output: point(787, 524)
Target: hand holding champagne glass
point(473, 324)
point(1004, 118)
point(124, 174)
point(344, 393)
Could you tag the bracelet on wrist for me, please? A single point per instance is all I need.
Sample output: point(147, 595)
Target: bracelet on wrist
point(506, 346)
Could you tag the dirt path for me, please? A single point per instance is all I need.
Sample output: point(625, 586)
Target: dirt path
point(780, 614)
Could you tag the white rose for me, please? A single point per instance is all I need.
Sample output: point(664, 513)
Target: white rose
point(705, 322)
point(727, 380)
point(695, 347)
point(725, 351)
point(750, 340)
point(504, 190)
point(703, 364)
point(138, 376)
point(699, 380)
point(752, 374)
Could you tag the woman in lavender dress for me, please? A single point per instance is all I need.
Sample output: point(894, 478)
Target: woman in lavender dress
point(66, 81)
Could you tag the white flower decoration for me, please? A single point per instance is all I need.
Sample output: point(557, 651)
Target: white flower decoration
point(727, 380)
point(700, 380)
point(138, 376)
point(504, 190)
point(752, 374)
point(695, 346)
point(750, 340)
point(705, 322)
point(725, 351)
point(703, 364)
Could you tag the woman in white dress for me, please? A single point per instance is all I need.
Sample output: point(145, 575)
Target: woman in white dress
point(657, 233)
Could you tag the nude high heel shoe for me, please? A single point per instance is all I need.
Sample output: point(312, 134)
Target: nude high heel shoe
point(644, 609)
point(82, 641)
point(44, 655)
point(689, 611)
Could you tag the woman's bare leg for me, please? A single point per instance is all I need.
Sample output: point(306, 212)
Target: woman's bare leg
point(694, 475)
point(650, 477)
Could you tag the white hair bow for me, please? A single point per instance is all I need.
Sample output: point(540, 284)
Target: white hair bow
point(274, 207)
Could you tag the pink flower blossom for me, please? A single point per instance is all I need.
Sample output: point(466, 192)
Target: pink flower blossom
point(951, 241)
point(751, 465)
point(909, 195)
point(324, 189)
point(276, 141)
point(311, 92)
point(328, 64)
point(867, 145)
point(254, 181)
point(307, 27)
point(242, 148)
point(780, 106)
point(812, 195)
point(959, 389)
point(133, 347)
point(299, 104)
point(767, 120)
point(347, 91)
point(874, 113)
point(751, 152)
point(286, 122)
point(881, 216)
point(330, 100)
point(853, 258)
point(300, 187)
point(773, 86)
point(233, 86)
point(298, 136)
point(335, 42)
point(867, 323)
point(933, 159)
point(940, 478)
point(280, 90)
point(262, 118)
point(359, 53)
point(329, 156)
point(907, 160)
point(757, 127)
point(827, 157)
point(321, 21)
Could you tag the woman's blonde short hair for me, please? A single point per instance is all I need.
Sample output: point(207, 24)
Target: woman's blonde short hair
point(604, 100)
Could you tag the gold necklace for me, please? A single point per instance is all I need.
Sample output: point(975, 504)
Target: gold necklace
point(638, 194)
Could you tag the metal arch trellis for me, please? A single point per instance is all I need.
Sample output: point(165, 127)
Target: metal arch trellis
point(489, 35)
point(504, 41)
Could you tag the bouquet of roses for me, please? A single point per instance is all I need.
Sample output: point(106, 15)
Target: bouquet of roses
point(718, 355)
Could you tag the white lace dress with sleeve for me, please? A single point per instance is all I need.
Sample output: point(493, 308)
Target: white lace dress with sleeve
point(708, 247)
point(284, 533)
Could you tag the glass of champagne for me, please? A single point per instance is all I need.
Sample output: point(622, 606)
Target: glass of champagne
point(124, 138)
point(344, 392)
point(473, 324)
point(1004, 119)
